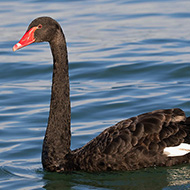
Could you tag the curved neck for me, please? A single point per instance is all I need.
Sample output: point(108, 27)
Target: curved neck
point(57, 139)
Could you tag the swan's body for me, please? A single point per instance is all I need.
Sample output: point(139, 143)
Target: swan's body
point(131, 144)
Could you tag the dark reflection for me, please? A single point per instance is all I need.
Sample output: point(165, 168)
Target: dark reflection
point(144, 179)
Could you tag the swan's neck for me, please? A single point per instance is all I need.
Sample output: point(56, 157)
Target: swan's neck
point(57, 139)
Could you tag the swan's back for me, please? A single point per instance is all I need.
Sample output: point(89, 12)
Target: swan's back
point(134, 143)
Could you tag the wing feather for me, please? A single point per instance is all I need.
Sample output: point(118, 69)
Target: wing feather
point(134, 142)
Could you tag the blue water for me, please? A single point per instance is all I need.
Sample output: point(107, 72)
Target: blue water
point(126, 58)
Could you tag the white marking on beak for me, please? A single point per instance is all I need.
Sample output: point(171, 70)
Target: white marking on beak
point(18, 45)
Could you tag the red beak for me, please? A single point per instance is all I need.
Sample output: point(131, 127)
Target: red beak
point(27, 39)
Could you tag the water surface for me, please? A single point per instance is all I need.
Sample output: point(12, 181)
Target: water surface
point(125, 57)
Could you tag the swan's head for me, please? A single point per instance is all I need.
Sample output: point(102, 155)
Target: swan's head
point(41, 29)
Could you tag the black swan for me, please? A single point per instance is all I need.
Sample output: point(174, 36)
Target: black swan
point(138, 142)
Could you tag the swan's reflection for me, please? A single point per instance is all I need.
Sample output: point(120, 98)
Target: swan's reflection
point(145, 179)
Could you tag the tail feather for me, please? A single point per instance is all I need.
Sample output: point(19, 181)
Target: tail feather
point(187, 129)
point(188, 121)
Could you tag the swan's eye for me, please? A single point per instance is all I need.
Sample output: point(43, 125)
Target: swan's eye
point(39, 26)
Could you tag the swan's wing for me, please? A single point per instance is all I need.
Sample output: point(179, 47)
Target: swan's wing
point(132, 141)
point(155, 131)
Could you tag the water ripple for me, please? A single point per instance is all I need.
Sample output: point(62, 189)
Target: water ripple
point(125, 58)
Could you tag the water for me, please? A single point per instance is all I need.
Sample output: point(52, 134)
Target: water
point(126, 58)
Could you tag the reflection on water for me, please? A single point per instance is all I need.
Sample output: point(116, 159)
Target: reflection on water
point(157, 178)
point(126, 57)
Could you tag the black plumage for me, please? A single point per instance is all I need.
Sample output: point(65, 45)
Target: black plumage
point(131, 144)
